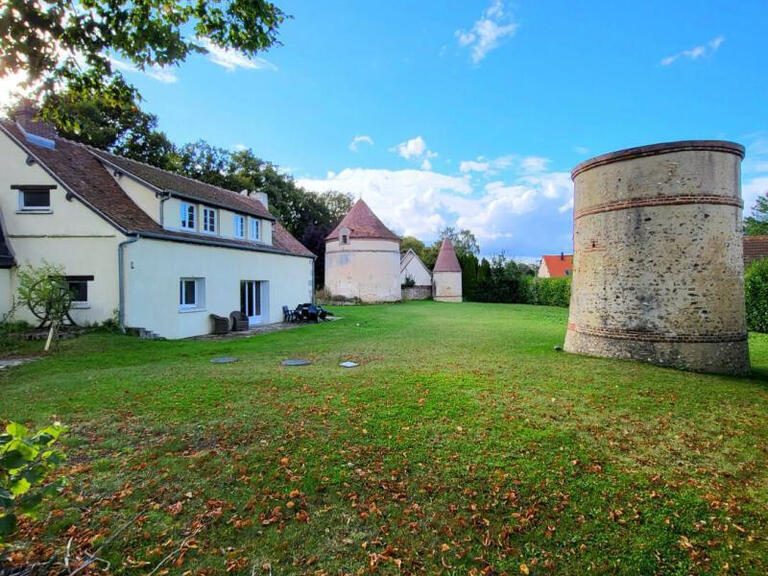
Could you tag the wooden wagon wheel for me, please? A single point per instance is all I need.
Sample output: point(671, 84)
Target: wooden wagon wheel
point(42, 302)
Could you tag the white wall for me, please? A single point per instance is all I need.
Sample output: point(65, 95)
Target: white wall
point(72, 236)
point(447, 287)
point(543, 270)
point(364, 269)
point(416, 269)
point(153, 269)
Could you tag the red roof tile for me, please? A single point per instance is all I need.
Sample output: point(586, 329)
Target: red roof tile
point(446, 258)
point(559, 265)
point(755, 248)
point(363, 223)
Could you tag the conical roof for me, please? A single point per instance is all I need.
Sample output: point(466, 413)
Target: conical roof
point(363, 223)
point(446, 259)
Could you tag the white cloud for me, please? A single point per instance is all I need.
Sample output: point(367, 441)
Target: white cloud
point(240, 147)
point(517, 214)
point(474, 166)
point(696, 52)
point(159, 73)
point(487, 32)
point(416, 149)
point(357, 140)
point(233, 59)
point(755, 171)
point(581, 150)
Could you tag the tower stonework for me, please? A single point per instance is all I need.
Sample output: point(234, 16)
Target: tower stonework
point(658, 270)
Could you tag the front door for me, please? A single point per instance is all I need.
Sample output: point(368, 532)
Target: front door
point(250, 301)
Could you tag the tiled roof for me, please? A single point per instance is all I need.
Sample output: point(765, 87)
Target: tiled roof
point(559, 264)
point(755, 248)
point(363, 223)
point(82, 172)
point(183, 186)
point(6, 256)
point(446, 259)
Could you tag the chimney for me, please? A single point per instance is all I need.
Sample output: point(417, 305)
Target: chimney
point(562, 255)
point(27, 117)
point(262, 197)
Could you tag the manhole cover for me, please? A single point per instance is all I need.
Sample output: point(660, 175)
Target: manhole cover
point(224, 360)
point(296, 362)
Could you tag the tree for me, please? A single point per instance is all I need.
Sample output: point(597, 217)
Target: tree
point(59, 42)
point(412, 243)
point(757, 223)
point(464, 242)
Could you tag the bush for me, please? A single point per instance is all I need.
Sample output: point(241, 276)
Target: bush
point(26, 460)
point(550, 291)
point(756, 293)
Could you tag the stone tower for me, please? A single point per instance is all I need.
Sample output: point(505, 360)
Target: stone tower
point(658, 271)
point(362, 258)
point(446, 277)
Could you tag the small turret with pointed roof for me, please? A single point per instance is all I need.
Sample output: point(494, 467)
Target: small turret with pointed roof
point(446, 277)
point(363, 223)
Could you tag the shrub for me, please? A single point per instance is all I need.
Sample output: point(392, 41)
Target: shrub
point(26, 460)
point(409, 282)
point(756, 293)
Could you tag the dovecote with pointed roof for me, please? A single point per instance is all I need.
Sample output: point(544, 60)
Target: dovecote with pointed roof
point(362, 258)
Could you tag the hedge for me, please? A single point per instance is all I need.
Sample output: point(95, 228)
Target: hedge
point(549, 291)
point(756, 292)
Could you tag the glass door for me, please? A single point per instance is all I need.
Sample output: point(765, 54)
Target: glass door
point(250, 300)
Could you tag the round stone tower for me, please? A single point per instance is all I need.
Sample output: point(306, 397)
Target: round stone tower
point(658, 272)
point(446, 277)
point(362, 258)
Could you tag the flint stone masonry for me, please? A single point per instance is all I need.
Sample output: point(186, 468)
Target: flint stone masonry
point(658, 259)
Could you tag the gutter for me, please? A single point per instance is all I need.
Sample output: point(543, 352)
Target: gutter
point(265, 248)
point(121, 281)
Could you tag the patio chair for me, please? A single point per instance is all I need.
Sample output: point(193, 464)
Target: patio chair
point(239, 321)
point(313, 314)
point(288, 315)
point(220, 324)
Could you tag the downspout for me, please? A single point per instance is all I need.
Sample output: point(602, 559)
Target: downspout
point(314, 290)
point(121, 281)
point(165, 195)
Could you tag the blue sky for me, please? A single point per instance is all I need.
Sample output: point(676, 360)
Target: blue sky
point(472, 113)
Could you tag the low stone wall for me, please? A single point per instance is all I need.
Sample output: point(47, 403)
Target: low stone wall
point(417, 293)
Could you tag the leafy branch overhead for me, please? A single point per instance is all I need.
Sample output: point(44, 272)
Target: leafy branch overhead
point(58, 42)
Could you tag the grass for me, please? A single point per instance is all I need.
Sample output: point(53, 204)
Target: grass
point(462, 444)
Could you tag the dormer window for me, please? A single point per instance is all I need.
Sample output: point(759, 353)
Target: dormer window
point(239, 226)
point(255, 229)
point(345, 239)
point(209, 220)
point(34, 198)
point(187, 216)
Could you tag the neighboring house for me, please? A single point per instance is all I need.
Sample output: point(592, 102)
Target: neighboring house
point(755, 248)
point(362, 258)
point(411, 266)
point(447, 275)
point(557, 266)
point(161, 251)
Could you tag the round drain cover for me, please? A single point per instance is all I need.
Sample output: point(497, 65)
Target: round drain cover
point(296, 362)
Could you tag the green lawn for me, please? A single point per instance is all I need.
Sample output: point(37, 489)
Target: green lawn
point(462, 444)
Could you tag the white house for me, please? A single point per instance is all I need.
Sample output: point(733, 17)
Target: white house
point(160, 251)
point(362, 258)
point(411, 266)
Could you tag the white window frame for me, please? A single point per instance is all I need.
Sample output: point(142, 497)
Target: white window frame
point(199, 303)
point(257, 223)
point(206, 211)
point(185, 212)
point(239, 226)
point(34, 209)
